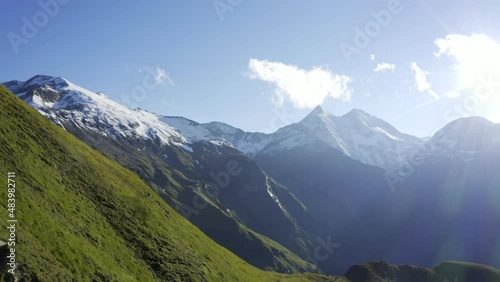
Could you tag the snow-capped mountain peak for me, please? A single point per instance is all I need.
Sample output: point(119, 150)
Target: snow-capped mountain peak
point(361, 136)
point(358, 119)
point(361, 117)
point(317, 110)
point(53, 81)
point(358, 112)
point(357, 134)
point(471, 134)
point(323, 125)
point(68, 104)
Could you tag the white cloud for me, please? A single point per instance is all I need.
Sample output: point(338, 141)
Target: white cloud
point(304, 88)
point(474, 56)
point(372, 57)
point(159, 74)
point(384, 66)
point(453, 94)
point(421, 81)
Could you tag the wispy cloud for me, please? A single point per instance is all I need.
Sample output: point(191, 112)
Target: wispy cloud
point(372, 57)
point(304, 88)
point(474, 56)
point(421, 80)
point(382, 67)
point(159, 74)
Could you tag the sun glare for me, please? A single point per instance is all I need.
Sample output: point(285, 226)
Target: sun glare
point(476, 57)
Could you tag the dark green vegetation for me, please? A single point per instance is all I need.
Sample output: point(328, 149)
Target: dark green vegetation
point(82, 216)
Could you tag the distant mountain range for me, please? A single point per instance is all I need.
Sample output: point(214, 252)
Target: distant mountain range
point(376, 193)
point(357, 134)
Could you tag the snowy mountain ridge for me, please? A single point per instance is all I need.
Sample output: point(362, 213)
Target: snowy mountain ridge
point(361, 136)
point(356, 134)
point(64, 102)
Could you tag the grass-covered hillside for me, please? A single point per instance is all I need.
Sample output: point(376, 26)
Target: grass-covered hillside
point(83, 217)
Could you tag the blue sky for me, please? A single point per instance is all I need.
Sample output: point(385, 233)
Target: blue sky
point(260, 65)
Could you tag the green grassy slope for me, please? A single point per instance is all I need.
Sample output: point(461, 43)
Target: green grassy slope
point(81, 216)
